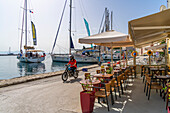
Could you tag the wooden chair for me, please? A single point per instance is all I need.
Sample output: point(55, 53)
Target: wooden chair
point(168, 96)
point(121, 81)
point(145, 82)
point(86, 75)
point(142, 70)
point(98, 71)
point(113, 87)
point(134, 71)
point(152, 84)
point(104, 93)
point(146, 71)
point(130, 74)
point(126, 78)
point(118, 83)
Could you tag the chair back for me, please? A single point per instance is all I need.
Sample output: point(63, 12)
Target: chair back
point(107, 86)
point(120, 77)
point(86, 75)
point(112, 82)
point(98, 71)
point(148, 79)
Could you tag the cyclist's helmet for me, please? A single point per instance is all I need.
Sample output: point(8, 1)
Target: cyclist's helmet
point(71, 57)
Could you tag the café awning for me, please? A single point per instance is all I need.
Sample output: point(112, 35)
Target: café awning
point(157, 47)
point(108, 39)
point(149, 29)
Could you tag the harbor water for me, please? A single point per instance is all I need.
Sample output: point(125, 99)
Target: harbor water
point(10, 67)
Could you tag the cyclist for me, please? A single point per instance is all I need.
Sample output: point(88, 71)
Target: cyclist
point(72, 63)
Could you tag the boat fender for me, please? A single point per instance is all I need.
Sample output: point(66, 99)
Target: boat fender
point(84, 69)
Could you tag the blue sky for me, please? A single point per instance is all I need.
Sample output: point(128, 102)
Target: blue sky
point(47, 14)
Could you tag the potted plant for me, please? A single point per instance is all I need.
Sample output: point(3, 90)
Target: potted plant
point(87, 97)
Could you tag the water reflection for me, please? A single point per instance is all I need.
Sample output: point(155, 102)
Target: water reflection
point(57, 66)
point(30, 68)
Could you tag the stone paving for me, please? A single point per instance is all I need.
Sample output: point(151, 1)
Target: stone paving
point(51, 95)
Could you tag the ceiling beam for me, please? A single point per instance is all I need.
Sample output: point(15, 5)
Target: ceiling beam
point(151, 27)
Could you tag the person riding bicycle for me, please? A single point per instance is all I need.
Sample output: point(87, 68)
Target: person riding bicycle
point(72, 63)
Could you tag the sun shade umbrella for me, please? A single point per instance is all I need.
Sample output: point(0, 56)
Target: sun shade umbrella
point(149, 29)
point(109, 39)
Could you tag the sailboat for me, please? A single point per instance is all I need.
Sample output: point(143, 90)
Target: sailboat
point(30, 54)
point(65, 58)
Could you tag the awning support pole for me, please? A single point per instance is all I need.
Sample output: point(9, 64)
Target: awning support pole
point(167, 46)
point(111, 58)
point(149, 59)
point(99, 56)
point(120, 56)
point(134, 59)
point(126, 58)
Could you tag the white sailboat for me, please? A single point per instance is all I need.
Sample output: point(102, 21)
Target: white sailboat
point(65, 58)
point(30, 54)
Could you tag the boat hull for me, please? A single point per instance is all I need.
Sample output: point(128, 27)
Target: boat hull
point(31, 60)
point(79, 59)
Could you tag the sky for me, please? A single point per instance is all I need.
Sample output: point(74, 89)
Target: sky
point(46, 16)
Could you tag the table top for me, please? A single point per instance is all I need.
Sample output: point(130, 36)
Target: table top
point(117, 68)
point(163, 77)
point(157, 69)
point(88, 82)
point(103, 76)
point(116, 71)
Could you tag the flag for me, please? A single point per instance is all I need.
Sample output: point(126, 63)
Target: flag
point(34, 33)
point(88, 29)
point(31, 11)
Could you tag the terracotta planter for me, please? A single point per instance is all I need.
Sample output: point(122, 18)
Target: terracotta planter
point(168, 108)
point(87, 101)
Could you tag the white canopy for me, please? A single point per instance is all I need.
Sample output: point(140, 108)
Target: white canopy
point(149, 29)
point(109, 38)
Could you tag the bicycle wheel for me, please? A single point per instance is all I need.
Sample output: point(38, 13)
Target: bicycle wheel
point(64, 76)
point(76, 75)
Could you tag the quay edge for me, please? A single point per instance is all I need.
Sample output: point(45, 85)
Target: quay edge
point(23, 79)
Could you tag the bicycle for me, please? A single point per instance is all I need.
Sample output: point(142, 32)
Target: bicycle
point(68, 73)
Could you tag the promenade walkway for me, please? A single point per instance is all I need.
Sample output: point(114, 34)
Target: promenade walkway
point(51, 95)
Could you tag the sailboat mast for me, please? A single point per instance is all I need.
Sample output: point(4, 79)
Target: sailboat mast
point(70, 26)
point(26, 23)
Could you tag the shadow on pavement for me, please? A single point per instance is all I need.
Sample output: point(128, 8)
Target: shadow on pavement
point(72, 80)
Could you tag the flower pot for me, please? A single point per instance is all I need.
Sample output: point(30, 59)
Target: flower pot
point(168, 108)
point(87, 101)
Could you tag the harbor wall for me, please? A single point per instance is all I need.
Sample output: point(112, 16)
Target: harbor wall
point(23, 79)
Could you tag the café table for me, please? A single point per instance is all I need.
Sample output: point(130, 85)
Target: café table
point(116, 72)
point(88, 82)
point(124, 68)
point(117, 68)
point(103, 75)
point(93, 82)
point(154, 70)
point(164, 80)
